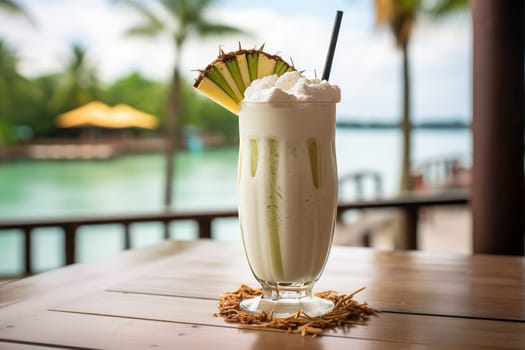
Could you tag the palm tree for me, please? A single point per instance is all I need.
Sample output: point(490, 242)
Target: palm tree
point(78, 84)
point(185, 18)
point(400, 16)
point(9, 76)
point(10, 81)
point(11, 7)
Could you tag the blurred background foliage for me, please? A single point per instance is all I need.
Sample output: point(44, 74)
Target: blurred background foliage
point(29, 107)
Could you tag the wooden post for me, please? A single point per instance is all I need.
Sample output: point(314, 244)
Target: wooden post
point(70, 240)
point(28, 268)
point(498, 122)
point(411, 225)
point(166, 225)
point(127, 236)
point(204, 227)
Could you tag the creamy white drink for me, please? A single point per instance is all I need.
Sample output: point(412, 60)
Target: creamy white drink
point(287, 183)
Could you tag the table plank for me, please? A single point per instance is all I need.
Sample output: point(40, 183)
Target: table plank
point(491, 287)
point(109, 269)
point(160, 295)
point(22, 346)
point(388, 327)
point(96, 332)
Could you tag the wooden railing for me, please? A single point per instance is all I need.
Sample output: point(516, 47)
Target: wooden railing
point(409, 204)
point(358, 179)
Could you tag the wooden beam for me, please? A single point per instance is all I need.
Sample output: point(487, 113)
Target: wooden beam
point(498, 126)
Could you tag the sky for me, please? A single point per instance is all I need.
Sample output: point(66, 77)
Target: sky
point(367, 64)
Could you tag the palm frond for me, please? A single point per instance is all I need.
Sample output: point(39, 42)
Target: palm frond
point(445, 8)
point(175, 7)
point(11, 6)
point(399, 15)
point(8, 62)
point(152, 23)
point(182, 8)
point(409, 5)
point(147, 30)
point(384, 11)
point(189, 15)
point(15, 9)
point(206, 28)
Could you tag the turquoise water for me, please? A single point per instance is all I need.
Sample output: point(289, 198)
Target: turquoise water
point(203, 181)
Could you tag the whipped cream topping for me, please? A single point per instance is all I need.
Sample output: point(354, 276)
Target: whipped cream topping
point(289, 87)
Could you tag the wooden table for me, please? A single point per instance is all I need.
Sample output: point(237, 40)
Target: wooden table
point(164, 297)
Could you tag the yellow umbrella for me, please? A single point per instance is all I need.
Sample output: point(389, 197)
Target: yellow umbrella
point(100, 114)
point(84, 115)
point(125, 116)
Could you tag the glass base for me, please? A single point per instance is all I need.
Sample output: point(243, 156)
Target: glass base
point(312, 306)
point(286, 302)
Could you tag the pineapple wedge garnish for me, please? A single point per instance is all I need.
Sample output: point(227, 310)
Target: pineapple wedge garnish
point(225, 79)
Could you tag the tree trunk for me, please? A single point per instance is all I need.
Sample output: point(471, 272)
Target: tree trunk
point(171, 127)
point(406, 126)
point(406, 227)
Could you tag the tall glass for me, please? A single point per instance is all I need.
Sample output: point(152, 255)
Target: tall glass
point(287, 181)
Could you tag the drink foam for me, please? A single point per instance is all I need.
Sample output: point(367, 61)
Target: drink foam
point(290, 87)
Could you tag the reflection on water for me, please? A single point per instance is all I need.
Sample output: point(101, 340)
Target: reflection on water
point(205, 180)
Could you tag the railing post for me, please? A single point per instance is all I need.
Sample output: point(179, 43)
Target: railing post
point(378, 185)
point(367, 238)
point(411, 223)
point(70, 233)
point(204, 227)
point(166, 230)
point(127, 236)
point(359, 186)
point(27, 251)
point(339, 215)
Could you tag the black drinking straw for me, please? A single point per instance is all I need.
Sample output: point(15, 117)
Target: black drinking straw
point(333, 42)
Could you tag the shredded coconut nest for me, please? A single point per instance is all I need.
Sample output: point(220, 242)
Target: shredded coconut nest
point(346, 313)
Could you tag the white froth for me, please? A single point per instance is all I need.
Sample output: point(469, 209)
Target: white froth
point(291, 86)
